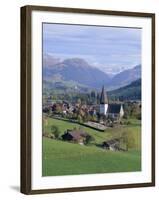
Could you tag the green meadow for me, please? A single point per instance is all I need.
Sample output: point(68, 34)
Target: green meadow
point(64, 158)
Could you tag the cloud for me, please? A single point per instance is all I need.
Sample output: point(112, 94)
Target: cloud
point(111, 46)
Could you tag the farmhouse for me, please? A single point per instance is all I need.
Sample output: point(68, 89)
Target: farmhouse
point(77, 136)
point(110, 110)
point(112, 145)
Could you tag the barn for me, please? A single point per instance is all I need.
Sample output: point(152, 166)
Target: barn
point(77, 136)
point(113, 144)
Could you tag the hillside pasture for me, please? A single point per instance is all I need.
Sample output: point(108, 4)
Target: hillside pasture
point(109, 133)
point(64, 158)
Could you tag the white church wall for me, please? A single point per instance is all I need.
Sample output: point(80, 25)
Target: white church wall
point(121, 112)
point(103, 109)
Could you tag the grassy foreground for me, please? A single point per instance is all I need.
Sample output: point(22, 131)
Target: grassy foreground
point(63, 158)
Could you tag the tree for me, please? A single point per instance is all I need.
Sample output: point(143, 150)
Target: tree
point(94, 118)
point(79, 118)
point(127, 110)
point(57, 108)
point(98, 98)
point(89, 139)
point(84, 118)
point(74, 115)
point(79, 101)
point(87, 117)
point(93, 96)
point(55, 130)
point(128, 139)
point(134, 109)
point(45, 121)
point(139, 116)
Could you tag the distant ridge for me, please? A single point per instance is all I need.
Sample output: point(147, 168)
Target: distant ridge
point(125, 77)
point(131, 91)
point(77, 72)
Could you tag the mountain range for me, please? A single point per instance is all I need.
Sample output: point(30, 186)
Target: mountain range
point(77, 73)
point(129, 92)
point(125, 77)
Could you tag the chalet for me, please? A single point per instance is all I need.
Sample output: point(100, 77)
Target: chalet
point(77, 136)
point(60, 107)
point(113, 145)
point(115, 111)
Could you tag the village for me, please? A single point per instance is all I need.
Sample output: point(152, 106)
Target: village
point(97, 117)
point(91, 100)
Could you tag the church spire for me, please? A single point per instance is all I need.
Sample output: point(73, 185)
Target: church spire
point(103, 97)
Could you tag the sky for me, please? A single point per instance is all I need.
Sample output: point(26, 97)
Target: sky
point(111, 49)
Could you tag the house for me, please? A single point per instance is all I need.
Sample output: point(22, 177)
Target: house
point(113, 145)
point(77, 136)
point(110, 110)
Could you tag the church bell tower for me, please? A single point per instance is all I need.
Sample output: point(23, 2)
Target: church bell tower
point(103, 102)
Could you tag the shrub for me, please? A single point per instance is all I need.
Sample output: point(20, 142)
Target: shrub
point(128, 123)
point(79, 118)
point(52, 136)
point(55, 131)
point(45, 134)
point(89, 139)
point(138, 116)
point(125, 116)
point(128, 139)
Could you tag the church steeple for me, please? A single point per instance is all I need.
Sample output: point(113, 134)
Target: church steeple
point(103, 107)
point(103, 97)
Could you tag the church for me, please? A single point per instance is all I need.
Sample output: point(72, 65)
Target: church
point(114, 111)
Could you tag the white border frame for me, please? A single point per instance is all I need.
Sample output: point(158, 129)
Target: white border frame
point(39, 182)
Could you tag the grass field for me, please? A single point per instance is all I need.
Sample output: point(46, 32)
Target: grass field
point(63, 158)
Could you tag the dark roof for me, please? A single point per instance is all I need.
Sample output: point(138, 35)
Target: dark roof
point(103, 97)
point(112, 142)
point(77, 134)
point(114, 108)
